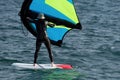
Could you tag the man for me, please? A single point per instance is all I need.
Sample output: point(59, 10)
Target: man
point(41, 24)
point(42, 37)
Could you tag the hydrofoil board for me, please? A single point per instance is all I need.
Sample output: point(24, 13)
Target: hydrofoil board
point(41, 66)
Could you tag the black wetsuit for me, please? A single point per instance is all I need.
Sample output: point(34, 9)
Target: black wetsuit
point(42, 38)
point(41, 28)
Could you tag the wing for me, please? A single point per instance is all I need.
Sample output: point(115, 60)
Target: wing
point(61, 12)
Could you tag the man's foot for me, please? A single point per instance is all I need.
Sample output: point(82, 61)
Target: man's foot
point(53, 65)
point(34, 64)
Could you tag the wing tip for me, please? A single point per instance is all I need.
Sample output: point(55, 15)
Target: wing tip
point(58, 43)
point(78, 26)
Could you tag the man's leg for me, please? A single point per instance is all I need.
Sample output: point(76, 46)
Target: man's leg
point(48, 46)
point(38, 45)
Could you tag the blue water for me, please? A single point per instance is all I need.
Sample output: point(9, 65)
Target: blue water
point(94, 51)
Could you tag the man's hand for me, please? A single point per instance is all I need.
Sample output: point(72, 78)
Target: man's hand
point(51, 24)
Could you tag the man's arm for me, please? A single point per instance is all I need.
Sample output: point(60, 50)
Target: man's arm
point(50, 24)
point(30, 20)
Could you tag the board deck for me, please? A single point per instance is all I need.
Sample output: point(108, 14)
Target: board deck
point(41, 66)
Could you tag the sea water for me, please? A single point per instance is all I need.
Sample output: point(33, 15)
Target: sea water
point(94, 51)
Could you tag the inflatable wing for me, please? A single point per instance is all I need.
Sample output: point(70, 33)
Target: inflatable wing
point(60, 12)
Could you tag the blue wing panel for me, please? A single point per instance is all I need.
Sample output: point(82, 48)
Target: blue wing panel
point(56, 34)
point(71, 1)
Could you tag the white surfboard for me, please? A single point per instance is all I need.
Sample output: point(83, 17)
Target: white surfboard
point(41, 66)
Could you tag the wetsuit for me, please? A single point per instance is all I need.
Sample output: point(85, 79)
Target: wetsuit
point(42, 38)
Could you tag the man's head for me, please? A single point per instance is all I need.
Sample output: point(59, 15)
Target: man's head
point(41, 16)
